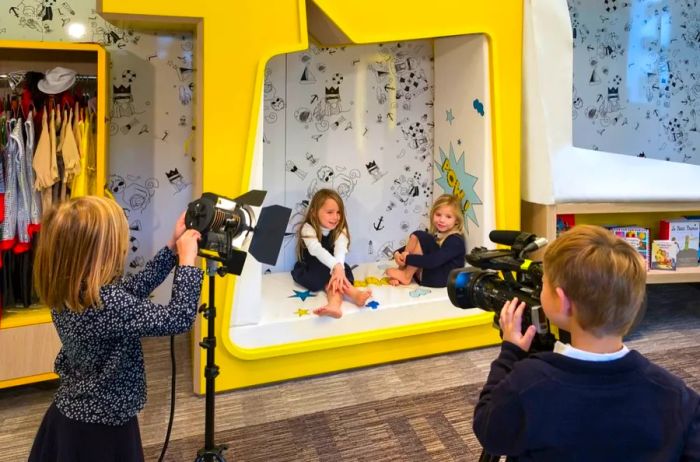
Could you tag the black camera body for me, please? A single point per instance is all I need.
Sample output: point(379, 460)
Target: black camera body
point(497, 276)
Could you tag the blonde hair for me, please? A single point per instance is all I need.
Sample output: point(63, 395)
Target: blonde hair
point(312, 218)
point(82, 246)
point(450, 201)
point(602, 275)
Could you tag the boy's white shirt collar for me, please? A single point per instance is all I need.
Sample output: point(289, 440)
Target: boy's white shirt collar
point(567, 350)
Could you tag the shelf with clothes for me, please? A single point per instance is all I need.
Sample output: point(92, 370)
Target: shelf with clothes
point(52, 147)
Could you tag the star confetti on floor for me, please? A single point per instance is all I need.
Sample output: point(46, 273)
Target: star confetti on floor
point(302, 312)
point(373, 304)
point(450, 117)
point(302, 294)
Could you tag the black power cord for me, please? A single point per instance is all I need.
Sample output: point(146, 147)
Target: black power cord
point(172, 399)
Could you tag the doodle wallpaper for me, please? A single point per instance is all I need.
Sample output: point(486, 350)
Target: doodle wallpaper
point(359, 120)
point(150, 164)
point(637, 77)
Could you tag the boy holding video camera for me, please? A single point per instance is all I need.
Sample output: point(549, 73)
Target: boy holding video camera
point(593, 399)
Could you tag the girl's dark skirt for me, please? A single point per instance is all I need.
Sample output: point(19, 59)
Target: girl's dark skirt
point(314, 275)
point(61, 439)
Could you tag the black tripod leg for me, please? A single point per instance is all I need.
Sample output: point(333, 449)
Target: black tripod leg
point(210, 452)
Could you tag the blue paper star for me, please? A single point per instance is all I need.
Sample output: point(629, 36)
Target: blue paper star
point(450, 117)
point(373, 304)
point(302, 294)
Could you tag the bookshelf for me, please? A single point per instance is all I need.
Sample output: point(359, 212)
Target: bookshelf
point(541, 219)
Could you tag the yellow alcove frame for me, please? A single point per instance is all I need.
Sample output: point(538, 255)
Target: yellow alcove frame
point(234, 42)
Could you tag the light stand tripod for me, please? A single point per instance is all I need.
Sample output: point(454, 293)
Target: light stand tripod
point(210, 452)
point(222, 222)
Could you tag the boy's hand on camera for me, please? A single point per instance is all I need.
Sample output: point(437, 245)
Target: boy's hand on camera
point(177, 231)
point(187, 247)
point(510, 322)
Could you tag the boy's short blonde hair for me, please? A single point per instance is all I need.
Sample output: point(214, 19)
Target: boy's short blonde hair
point(82, 246)
point(603, 276)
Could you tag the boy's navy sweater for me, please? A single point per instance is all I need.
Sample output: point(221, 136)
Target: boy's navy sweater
point(549, 407)
point(100, 365)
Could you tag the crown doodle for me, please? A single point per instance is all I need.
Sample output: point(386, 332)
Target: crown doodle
point(173, 175)
point(122, 91)
point(333, 91)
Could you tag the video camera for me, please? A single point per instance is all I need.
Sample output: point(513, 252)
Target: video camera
point(497, 276)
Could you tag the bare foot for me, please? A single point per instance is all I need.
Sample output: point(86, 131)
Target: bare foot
point(361, 297)
point(399, 275)
point(326, 311)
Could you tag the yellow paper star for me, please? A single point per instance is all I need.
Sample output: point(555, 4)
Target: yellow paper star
point(302, 312)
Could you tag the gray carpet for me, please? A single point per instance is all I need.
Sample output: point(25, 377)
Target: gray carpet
point(422, 427)
point(417, 410)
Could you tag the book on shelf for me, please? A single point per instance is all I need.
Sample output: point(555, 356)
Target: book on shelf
point(694, 218)
point(686, 235)
point(637, 236)
point(565, 221)
point(664, 254)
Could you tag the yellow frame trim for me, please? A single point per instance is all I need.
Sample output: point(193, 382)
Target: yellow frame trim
point(232, 128)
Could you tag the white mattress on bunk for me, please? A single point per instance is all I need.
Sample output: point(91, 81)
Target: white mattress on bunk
point(287, 309)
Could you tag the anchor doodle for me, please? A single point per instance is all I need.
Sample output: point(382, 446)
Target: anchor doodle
point(378, 226)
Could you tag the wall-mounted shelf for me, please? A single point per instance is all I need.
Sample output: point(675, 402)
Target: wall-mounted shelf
point(541, 219)
point(28, 339)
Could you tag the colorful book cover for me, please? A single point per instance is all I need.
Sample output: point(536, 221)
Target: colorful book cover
point(565, 221)
point(685, 231)
point(663, 254)
point(636, 232)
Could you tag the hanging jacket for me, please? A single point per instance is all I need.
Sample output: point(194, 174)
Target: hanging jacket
point(44, 164)
point(2, 172)
point(23, 190)
point(71, 155)
point(79, 185)
point(8, 230)
point(34, 197)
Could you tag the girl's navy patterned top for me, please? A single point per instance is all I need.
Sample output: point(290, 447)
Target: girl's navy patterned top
point(101, 369)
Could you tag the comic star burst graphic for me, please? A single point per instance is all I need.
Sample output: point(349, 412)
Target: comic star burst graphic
point(456, 180)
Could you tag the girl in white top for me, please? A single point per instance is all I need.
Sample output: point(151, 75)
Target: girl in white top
point(323, 242)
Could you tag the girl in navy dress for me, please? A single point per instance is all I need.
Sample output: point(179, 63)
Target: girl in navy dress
point(100, 318)
point(323, 242)
point(430, 256)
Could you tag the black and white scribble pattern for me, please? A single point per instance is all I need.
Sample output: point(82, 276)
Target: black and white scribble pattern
point(637, 77)
point(358, 120)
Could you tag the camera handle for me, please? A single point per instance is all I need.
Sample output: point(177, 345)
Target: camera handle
point(210, 452)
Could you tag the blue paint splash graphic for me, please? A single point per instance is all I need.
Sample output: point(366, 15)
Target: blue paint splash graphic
point(479, 106)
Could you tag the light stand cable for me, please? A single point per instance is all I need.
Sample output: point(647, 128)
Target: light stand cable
point(172, 398)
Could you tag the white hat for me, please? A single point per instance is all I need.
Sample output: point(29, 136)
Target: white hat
point(57, 80)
